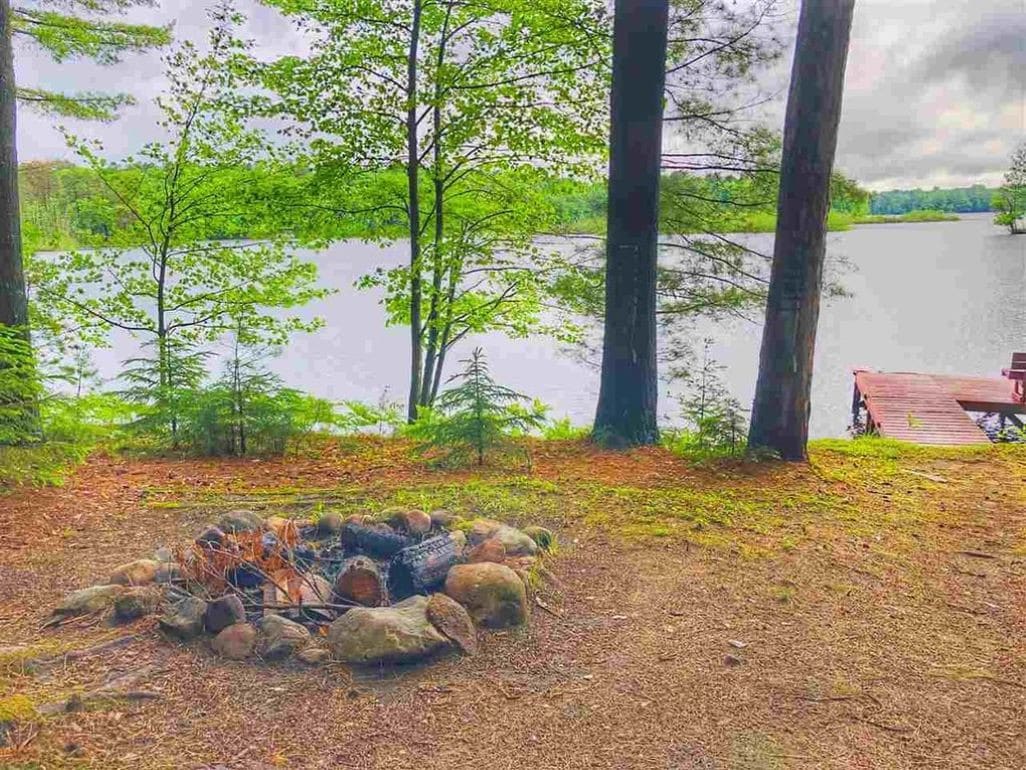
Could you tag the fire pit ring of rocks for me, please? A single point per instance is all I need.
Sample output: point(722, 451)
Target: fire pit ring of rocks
point(395, 587)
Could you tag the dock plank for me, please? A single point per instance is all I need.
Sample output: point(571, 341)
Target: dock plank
point(932, 408)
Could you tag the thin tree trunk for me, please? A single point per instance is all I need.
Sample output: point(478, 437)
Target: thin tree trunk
point(780, 412)
point(13, 298)
point(413, 184)
point(628, 392)
point(438, 265)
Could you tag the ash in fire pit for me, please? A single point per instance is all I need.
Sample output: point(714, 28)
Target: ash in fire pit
point(395, 587)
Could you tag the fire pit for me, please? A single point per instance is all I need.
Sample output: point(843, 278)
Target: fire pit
point(394, 587)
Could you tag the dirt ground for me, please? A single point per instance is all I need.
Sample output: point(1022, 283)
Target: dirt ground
point(867, 610)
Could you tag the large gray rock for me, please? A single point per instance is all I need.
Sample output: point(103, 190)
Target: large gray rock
point(223, 612)
point(280, 637)
point(185, 619)
point(88, 600)
point(492, 593)
point(240, 521)
point(398, 634)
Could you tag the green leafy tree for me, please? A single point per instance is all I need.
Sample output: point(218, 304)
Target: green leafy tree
point(477, 415)
point(440, 121)
point(1010, 200)
point(66, 30)
point(163, 275)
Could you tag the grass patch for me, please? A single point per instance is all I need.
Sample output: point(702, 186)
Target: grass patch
point(46, 464)
point(921, 215)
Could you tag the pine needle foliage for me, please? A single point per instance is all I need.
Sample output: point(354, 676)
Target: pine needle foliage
point(477, 415)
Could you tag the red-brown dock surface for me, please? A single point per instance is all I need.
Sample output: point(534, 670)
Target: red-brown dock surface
point(932, 408)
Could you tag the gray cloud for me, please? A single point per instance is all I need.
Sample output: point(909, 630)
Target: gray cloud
point(935, 92)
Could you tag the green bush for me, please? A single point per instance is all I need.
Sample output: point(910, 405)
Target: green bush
point(564, 430)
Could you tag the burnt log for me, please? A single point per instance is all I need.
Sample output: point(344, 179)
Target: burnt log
point(360, 581)
point(421, 568)
point(374, 539)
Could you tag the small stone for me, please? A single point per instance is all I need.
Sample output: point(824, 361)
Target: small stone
point(459, 537)
point(87, 600)
point(163, 554)
point(733, 660)
point(329, 524)
point(516, 542)
point(492, 593)
point(234, 522)
point(450, 617)
point(211, 536)
point(398, 634)
point(185, 619)
point(490, 550)
point(223, 612)
point(541, 536)
point(481, 530)
point(313, 656)
point(281, 637)
point(235, 642)
point(137, 602)
point(135, 573)
point(737, 644)
point(442, 519)
point(414, 522)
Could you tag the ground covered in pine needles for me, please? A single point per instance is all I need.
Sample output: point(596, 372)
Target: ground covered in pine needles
point(867, 610)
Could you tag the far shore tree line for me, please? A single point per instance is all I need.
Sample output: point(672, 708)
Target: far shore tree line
point(462, 131)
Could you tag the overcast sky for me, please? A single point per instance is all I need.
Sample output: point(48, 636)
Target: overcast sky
point(935, 92)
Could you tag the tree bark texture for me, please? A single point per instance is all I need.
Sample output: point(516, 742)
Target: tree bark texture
point(13, 299)
point(780, 412)
point(628, 392)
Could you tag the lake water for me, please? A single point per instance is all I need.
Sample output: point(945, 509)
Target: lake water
point(944, 297)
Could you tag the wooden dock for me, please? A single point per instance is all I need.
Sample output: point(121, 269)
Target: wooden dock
point(932, 408)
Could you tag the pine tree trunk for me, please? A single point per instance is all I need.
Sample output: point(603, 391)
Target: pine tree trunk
point(780, 412)
point(413, 191)
point(13, 299)
point(628, 393)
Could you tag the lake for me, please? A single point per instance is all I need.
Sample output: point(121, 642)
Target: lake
point(944, 297)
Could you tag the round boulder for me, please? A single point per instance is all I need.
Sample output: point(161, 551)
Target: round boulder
point(413, 521)
point(449, 617)
point(281, 637)
point(235, 642)
point(137, 602)
point(398, 634)
point(185, 619)
point(135, 573)
point(223, 612)
point(490, 550)
point(492, 593)
point(234, 522)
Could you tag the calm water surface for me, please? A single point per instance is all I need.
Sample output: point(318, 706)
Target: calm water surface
point(945, 297)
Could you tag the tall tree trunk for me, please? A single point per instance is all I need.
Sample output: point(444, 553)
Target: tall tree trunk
point(413, 185)
point(438, 263)
point(13, 299)
point(628, 393)
point(780, 412)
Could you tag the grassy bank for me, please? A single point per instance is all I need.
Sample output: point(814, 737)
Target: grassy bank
point(924, 215)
